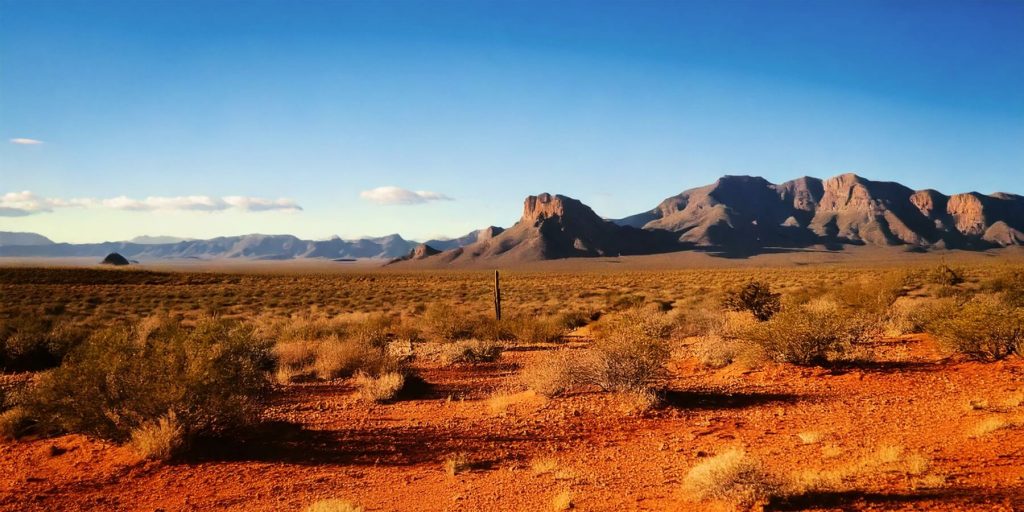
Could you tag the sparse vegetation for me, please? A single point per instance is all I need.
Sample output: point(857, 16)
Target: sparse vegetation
point(212, 377)
point(379, 389)
point(730, 476)
point(755, 297)
point(986, 327)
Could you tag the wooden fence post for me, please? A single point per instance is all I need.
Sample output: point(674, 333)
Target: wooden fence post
point(497, 296)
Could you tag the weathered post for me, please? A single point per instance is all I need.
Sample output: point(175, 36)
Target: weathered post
point(497, 296)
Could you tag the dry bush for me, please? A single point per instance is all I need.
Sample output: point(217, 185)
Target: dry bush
point(33, 342)
point(379, 389)
point(553, 373)
point(1010, 284)
point(535, 329)
point(985, 328)
point(446, 323)
point(887, 459)
point(755, 297)
point(724, 342)
point(15, 423)
point(470, 351)
point(731, 476)
point(212, 376)
point(344, 357)
point(294, 359)
point(333, 505)
point(159, 440)
point(814, 333)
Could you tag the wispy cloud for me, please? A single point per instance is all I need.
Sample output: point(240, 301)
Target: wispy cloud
point(399, 195)
point(22, 141)
point(20, 204)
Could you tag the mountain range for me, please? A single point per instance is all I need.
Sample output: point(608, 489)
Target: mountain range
point(735, 214)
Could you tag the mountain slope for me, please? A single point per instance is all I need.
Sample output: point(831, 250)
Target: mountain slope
point(749, 213)
point(23, 238)
point(556, 226)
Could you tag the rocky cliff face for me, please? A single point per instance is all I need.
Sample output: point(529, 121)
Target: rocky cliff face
point(749, 213)
point(557, 226)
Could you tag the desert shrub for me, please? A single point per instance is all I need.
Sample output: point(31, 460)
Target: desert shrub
point(731, 476)
point(14, 423)
point(470, 351)
point(944, 275)
point(535, 329)
point(212, 377)
point(553, 373)
point(336, 357)
point(813, 333)
point(723, 340)
point(986, 328)
point(294, 359)
point(575, 319)
point(636, 323)
point(1010, 284)
point(624, 363)
point(381, 388)
point(445, 322)
point(756, 297)
point(36, 343)
point(159, 440)
point(373, 329)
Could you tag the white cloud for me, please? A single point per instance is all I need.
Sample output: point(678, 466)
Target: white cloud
point(22, 141)
point(19, 204)
point(398, 195)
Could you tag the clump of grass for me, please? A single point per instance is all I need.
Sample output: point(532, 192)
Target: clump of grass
point(333, 505)
point(456, 464)
point(544, 465)
point(731, 476)
point(985, 328)
point(562, 501)
point(499, 403)
point(470, 351)
point(159, 440)
point(379, 389)
point(809, 437)
point(992, 424)
point(535, 329)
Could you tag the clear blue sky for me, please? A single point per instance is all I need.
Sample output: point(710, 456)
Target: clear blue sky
point(619, 104)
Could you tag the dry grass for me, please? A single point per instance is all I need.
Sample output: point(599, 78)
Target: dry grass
point(456, 464)
point(379, 389)
point(469, 351)
point(159, 440)
point(334, 505)
point(14, 423)
point(731, 476)
point(499, 403)
point(562, 501)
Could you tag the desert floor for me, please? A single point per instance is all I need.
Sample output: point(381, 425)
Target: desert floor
point(522, 450)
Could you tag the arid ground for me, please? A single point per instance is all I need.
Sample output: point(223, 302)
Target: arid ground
point(897, 421)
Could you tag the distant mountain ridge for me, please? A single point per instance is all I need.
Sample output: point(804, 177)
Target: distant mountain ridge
point(745, 212)
point(737, 214)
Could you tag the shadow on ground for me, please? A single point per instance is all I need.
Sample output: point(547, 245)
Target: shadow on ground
point(710, 400)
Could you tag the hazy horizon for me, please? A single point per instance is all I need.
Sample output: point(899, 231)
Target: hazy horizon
point(362, 119)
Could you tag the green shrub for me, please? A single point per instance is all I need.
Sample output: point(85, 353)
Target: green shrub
point(987, 327)
point(814, 333)
point(211, 377)
point(756, 297)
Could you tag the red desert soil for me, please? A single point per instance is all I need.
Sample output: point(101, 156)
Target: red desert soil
point(319, 442)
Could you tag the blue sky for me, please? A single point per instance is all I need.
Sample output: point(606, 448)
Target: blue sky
point(214, 118)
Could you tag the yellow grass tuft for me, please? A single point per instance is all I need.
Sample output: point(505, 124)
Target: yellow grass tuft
point(333, 505)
